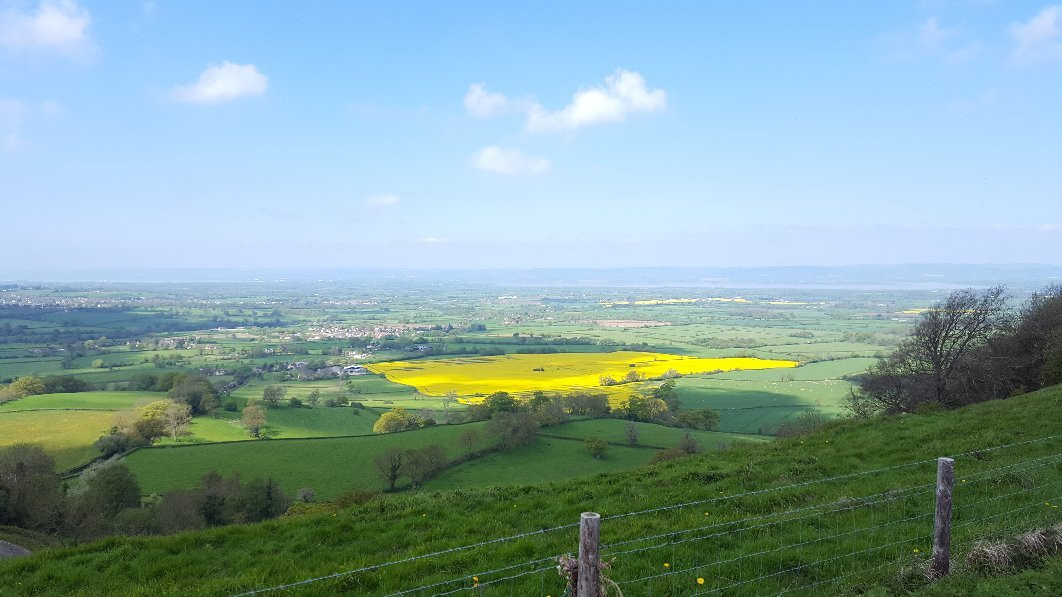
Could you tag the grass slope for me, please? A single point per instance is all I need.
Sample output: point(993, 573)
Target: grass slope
point(232, 559)
point(649, 434)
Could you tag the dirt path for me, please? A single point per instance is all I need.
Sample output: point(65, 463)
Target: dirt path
point(10, 550)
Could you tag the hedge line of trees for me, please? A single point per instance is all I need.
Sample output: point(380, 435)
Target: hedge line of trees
point(107, 500)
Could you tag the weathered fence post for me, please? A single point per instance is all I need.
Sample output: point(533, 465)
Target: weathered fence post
point(589, 541)
point(942, 526)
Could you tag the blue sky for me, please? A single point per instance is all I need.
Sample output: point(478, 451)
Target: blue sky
point(485, 134)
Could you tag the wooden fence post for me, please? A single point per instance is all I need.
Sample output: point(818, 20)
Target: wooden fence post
point(941, 563)
point(589, 559)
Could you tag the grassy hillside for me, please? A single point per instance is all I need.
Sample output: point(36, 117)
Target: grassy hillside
point(66, 435)
point(840, 511)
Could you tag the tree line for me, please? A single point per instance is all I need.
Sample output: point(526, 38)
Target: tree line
point(970, 347)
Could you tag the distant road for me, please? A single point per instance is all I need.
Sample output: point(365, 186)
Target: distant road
point(10, 550)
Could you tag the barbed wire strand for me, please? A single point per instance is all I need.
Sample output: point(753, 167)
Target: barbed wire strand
point(618, 516)
point(470, 576)
point(704, 537)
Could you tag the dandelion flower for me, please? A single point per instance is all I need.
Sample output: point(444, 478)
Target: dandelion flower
point(916, 550)
point(700, 580)
point(666, 565)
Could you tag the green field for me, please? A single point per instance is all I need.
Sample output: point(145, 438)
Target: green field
point(750, 491)
point(66, 435)
point(83, 400)
point(330, 466)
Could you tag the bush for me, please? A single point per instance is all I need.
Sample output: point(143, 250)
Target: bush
point(805, 423)
point(231, 406)
point(295, 402)
point(596, 447)
point(668, 454)
point(305, 495)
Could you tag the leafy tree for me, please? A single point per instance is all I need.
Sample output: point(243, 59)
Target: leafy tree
point(512, 429)
point(260, 500)
point(666, 392)
point(27, 386)
point(396, 419)
point(272, 395)
point(254, 419)
point(314, 398)
point(295, 402)
point(98, 364)
point(29, 488)
point(388, 465)
point(195, 391)
point(698, 418)
point(150, 421)
point(109, 489)
point(596, 447)
point(500, 402)
point(177, 417)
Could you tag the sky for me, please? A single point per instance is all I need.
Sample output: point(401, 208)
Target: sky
point(190, 134)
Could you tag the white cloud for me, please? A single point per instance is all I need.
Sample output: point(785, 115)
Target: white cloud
point(479, 102)
point(432, 240)
point(54, 24)
point(382, 200)
point(501, 160)
point(224, 83)
point(624, 93)
point(1040, 38)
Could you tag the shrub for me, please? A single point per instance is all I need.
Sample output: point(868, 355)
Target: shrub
point(596, 447)
point(305, 495)
point(295, 402)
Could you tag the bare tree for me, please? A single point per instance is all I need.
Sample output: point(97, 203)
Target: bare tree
point(468, 440)
point(389, 465)
point(946, 333)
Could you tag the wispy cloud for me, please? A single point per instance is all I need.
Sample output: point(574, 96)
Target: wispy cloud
point(501, 160)
point(1040, 38)
point(223, 83)
point(58, 25)
point(432, 240)
point(384, 200)
point(14, 113)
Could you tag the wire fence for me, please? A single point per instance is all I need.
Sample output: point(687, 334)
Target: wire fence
point(841, 532)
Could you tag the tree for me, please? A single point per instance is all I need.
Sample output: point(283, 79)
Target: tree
point(632, 433)
point(420, 465)
point(512, 429)
point(596, 447)
point(29, 487)
point(946, 333)
point(109, 489)
point(396, 419)
point(254, 419)
point(305, 495)
point(389, 465)
point(314, 398)
point(500, 402)
point(687, 444)
point(295, 402)
point(195, 391)
point(260, 500)
point(150, 421)
point(98, 364)
point(272, 395)
point(177, 416)
point(698, 418)
point(468, 440)
point(666, 392)
point(946, 359)
point(27, 386)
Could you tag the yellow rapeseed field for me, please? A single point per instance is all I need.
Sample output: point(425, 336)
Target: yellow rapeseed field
point(559, 372)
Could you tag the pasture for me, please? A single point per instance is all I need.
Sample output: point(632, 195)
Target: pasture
point(66, 435)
